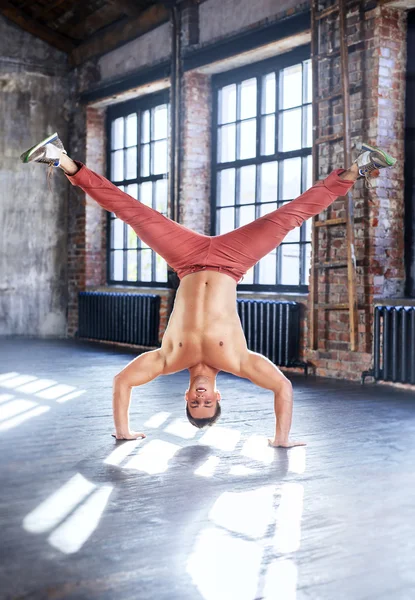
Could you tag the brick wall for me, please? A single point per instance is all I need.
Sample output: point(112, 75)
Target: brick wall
point(76, 220)
point(88, 223)
point(195, 152)
point(377, 109)
point(377, 75)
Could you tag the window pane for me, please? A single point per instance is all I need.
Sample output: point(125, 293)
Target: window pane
point(267, 208)
point(247, 185)
point(131, 130)
point(161, 196)
point(159, 157)
point(131, 237)
point(161, 269)
point(132, 265)
point(117, 165)
point(117, 234)
point(290, 271)
point(267, 269)
point(160, 122)
point(308, 126)
point(117, 135)
point(249, 276)
point(269, 182)
point(246, 215)
point(146, 193)
point(247, 147)
point(226, 143)
point(308, 172)
point(226, 187)
point(307, 263)
point(145, 127)
point(227, 104)
point(248, 98)
point(308, 228)
point(293, 235)
point(131, 163)
point(145, 160)
point(268, 93)
point(290, 130)
point(308, 82)
point(226, 220)
point(117, 258)
point(145, 265)
point(268, 135)
point(132, 190)
point(291, 178)
point(291, 86)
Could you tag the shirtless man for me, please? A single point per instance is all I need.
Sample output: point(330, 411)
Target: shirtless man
point(204, 334)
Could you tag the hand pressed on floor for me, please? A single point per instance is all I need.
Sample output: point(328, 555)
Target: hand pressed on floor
point(131, 435)
point(275, 443)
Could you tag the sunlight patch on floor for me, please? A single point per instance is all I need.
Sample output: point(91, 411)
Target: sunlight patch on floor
point(121, 452)
point(36, 386)
point(297, 460)
point(10, 375)
point(224, 567)
point(256, 447)
point(153, 457)
point(248, 513)
point(222, 438)
point(15, 421)
point(208, 468)
point(281, 580)
point(56, 391)
point(288, 522)
point(241, 470)
point(15, 380)
point(13, 408)
point(181, 429)
point(78, 528)
point(157, 420)
point(57, 506)
point(5, 397)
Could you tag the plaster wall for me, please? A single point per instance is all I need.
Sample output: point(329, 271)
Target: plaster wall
point(219, 19)
point(34, 100)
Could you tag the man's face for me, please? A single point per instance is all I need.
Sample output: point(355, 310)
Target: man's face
point(202, 401)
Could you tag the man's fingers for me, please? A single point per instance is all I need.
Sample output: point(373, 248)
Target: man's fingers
point(289, 444)
point(131, 436)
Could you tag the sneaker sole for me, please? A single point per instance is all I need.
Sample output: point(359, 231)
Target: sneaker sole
point(26, 156)
point(390, 161)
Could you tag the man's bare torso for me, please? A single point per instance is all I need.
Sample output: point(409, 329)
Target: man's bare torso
point(204, 326)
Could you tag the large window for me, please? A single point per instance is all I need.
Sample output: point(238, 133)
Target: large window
point(137, 164)
point(262, 160)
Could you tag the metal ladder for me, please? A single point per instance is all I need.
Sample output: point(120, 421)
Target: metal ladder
point(317, 19)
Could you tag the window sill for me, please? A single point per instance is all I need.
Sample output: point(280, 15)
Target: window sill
point(288, 296)
point(124, 289)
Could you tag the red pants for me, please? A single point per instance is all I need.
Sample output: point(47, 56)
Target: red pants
point(232, 253)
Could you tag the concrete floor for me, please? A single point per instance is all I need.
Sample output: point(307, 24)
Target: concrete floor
point(189, 514)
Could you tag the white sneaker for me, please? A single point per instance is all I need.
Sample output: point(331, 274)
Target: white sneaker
point(48, 151)
point(371, 159)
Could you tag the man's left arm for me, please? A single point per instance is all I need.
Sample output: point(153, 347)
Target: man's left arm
point(265, 374)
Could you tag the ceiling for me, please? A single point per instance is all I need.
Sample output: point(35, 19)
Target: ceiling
point(85, 28)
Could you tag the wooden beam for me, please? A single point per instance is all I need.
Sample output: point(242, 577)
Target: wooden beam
point(88, 26)
point(120, 34)
point(37, 29)
point(129, 7)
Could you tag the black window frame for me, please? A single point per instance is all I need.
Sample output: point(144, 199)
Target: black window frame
point(113, 112)
point(236, 76)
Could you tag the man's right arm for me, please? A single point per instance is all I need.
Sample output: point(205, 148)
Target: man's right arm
point(141, 370)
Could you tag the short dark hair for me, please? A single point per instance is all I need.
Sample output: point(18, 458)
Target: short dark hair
point(200, 423)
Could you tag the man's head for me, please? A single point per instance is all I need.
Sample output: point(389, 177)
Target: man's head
point(202, 402)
